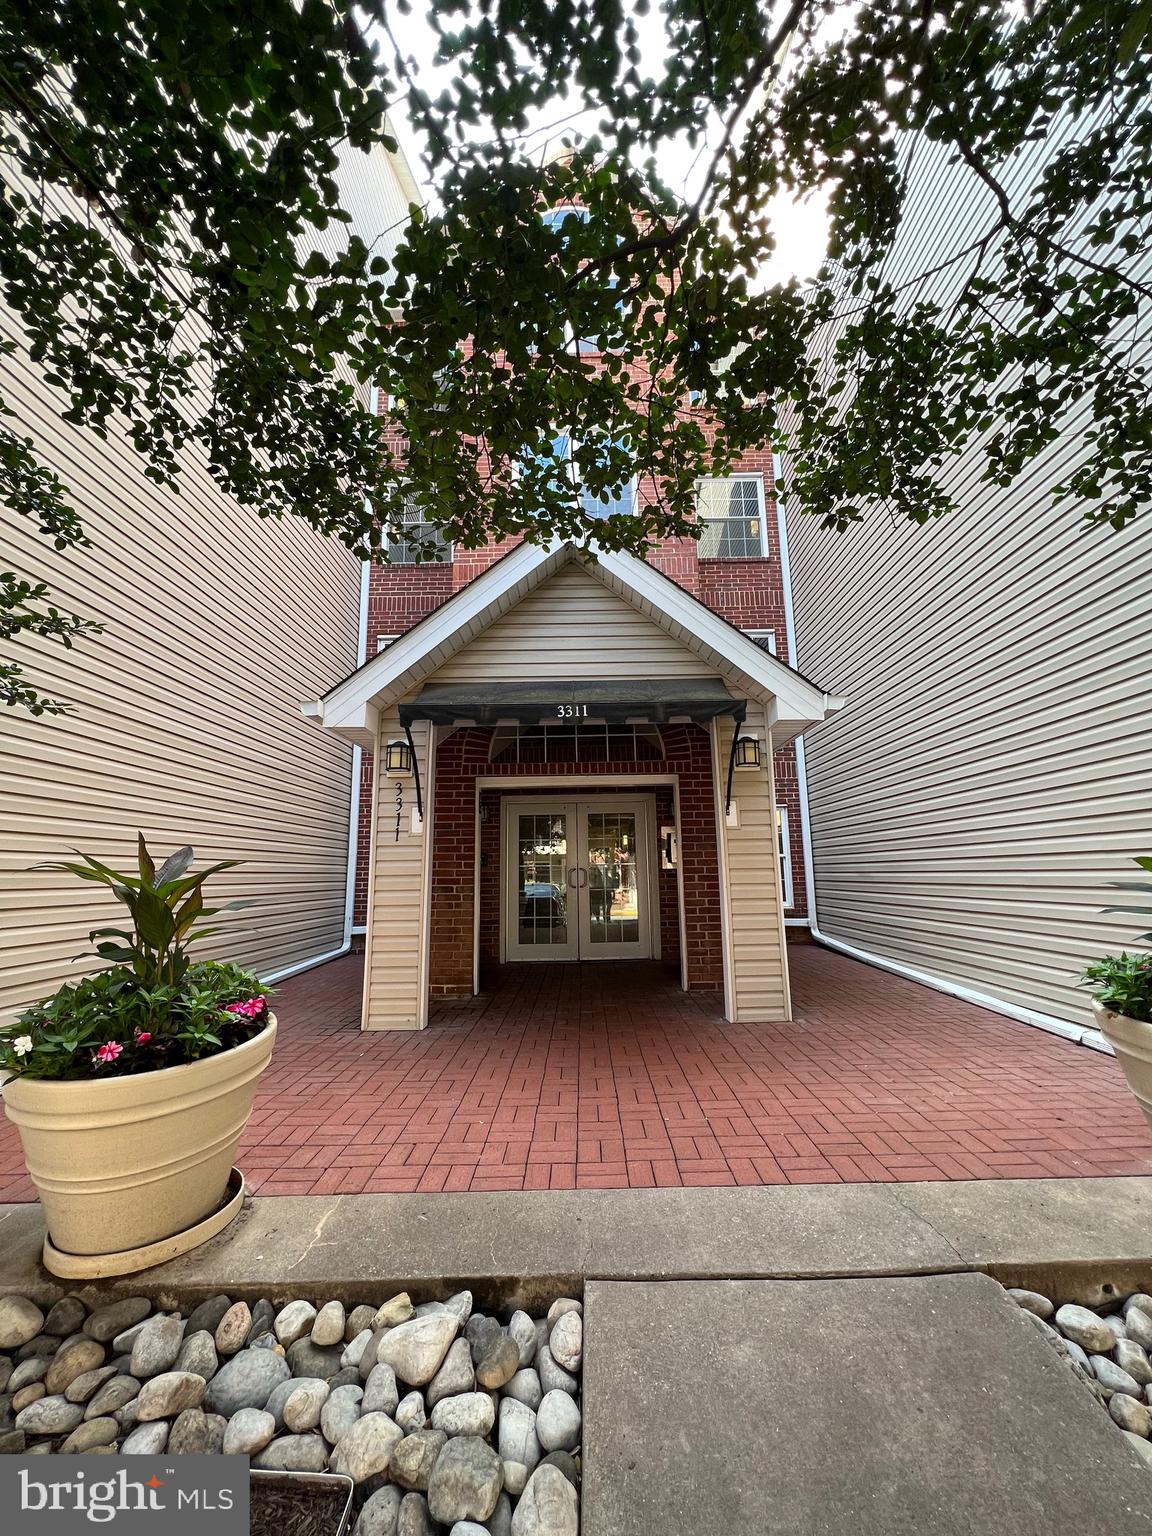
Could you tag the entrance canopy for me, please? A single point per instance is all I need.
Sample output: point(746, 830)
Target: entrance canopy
point(654, 701)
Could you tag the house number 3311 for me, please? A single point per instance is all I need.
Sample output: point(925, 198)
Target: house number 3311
point(571, 711)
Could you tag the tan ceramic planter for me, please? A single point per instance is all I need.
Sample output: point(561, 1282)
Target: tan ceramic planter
point(1131, 1039)
point(124, 1163)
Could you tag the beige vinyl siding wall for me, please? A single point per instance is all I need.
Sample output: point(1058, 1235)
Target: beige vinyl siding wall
point(572, 626)
point(990, 774)
point(756, 938)
point(394, 983)
point(186, 721)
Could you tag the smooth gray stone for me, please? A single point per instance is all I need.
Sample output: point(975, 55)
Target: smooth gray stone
point(246, 1381)
point(86, 1385)
point(7, 1367)
point(468, 1528)
point(461, 1306)
point(1112, 1378)
point(466, 1481)
point(367, 1447)
point(13, 1442)
point(26, 1372)
point(358, 1321)
point(1074, 1352)
point(411, 1413)
point(197, 1434)
point(50, 1416)
point(123, 1342)
point(207, 1315)
point(303, 1406)
point(157, 1346)
point(416, 1350)
point(308, 1359)
point(516, 1476)
point(380, 1514)
point(558, 1422)
point(233, 1329)
point(346, 1376)
point(468, 1413)
point(567, 1464)
point(516, 1437)
point(547, 1507)
point(263, 1316)
point(90, 1433)
point(341, 1410)
point(553, 1376)
point(1131, 1358)
point(414, 1457)
point(294, 1321)
point(198, 1355)
point(354, 1349)
point(106, 1322)
point(293, 1453)
point(280, 1394)
point(112, 1396)
point(1138, 1325)
point(328, 1328)
point(522, 1331)
point(525, 1388)
point(457, 1374)
point(566, 1341)
point(381, 1394)
point(42, 1344)
point(65, 1316)
point(1085, 1328)
point(148, 1440)
point(414, 1518)
point(562, 1305)
point(397, 1309)
point(480, 1332)
point(1115, 1324)
point(20, 1321)
point(248, 1432)
point(1141, 1446)
point(501, 1522)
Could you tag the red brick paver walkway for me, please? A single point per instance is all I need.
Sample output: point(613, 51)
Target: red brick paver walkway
point(606, 1076)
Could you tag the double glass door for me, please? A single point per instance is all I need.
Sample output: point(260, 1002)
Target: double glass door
point(576, 879)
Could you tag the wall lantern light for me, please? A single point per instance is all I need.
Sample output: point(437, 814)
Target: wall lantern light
point(398, 759)
point(747, 753)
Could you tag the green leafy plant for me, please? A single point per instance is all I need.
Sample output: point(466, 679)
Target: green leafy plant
point(154, 1006)
point(1143, 861)
point(166, 904)
point(1123, 984)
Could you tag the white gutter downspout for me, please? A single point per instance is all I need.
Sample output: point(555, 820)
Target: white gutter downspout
point(1081, 1034)
point(354, 797)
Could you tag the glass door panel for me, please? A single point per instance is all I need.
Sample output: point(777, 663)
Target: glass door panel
point(542, 877)
point(613, 879)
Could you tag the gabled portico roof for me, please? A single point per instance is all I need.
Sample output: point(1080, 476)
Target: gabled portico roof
point(351, 707)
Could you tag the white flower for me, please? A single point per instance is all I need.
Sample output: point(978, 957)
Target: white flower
point(22, 1044)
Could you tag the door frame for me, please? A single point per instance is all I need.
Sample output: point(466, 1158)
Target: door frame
point(577, 799)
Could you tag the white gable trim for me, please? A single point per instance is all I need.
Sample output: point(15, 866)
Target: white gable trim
point(351, 708)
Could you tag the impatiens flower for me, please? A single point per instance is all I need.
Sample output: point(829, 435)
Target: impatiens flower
point(143, 1037)
point(22, 1044)
point(252, 1009)
point(108, 1051)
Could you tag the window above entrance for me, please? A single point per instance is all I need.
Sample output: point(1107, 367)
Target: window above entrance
point(576, 743)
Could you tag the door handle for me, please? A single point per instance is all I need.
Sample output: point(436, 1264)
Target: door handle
point(583, 873)
point(571, 881)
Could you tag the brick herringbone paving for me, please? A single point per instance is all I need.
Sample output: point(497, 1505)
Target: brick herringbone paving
point(607, 1076)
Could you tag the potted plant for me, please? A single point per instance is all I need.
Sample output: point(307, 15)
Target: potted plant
point(131, 1087)
point(1122, 1000)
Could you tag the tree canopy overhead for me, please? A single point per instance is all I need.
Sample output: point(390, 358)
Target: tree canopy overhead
point(168, 169)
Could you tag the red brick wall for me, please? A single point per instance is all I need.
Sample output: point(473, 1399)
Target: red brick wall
point(463, 756)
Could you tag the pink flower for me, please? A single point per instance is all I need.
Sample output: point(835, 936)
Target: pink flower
point(252, 1009)
point(143, 1037)
point(108, 1051)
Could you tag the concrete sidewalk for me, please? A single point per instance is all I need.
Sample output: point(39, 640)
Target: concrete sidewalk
point(923, 1407)
point(516, 1247)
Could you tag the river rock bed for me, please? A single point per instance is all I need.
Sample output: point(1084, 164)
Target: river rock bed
point(1110, 1350)
point(450, 1422)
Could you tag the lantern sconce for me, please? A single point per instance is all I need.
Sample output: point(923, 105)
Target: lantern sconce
point(747, 752)
point(398, 759)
